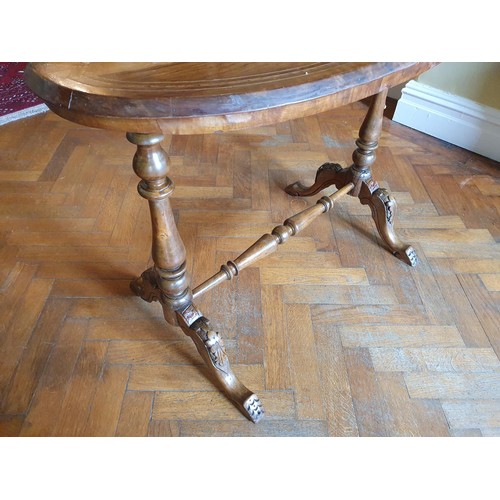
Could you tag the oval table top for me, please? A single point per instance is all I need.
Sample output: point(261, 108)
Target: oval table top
point(194, 98)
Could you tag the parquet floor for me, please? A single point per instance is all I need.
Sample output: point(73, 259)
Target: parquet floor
point(335, 335)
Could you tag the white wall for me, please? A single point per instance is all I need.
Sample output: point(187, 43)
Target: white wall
point(456, 102)
point(477, 81)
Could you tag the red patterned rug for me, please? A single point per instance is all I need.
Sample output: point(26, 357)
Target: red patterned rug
point(16, 99)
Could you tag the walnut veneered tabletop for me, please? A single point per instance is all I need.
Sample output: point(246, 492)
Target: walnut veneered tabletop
point(147, 100)
point(194, 98)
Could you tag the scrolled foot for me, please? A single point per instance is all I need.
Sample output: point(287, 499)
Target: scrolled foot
point(327, 175)
point(211, 348)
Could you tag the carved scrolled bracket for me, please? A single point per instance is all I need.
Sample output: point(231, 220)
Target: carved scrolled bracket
point(383, 207)
point(213, 344)
point(146, 286)
point(329, 167)
point(389, 204)
point(327, 175)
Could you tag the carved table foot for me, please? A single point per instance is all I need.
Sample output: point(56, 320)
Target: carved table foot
point(211, 348)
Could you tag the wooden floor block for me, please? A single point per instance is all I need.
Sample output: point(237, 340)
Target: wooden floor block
point(72, 418)
point(434, 359)
point(52, 385)
point(473, 414)
point(491, 282)
point(270, 428)
point(303, 363)
point(313, 276)
point(135, 414)
point(453, 385)
point(400, 336)
point(107, 403)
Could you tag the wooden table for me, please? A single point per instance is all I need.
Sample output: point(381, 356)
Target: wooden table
point(148, 100)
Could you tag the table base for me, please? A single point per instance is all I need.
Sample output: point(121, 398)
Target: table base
point(167, 283)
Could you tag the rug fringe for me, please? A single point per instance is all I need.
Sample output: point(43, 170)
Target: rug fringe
point(23, 113)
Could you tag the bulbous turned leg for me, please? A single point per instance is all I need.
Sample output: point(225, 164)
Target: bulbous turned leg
point(167, 282)
point(211, 348)
point(382, 204)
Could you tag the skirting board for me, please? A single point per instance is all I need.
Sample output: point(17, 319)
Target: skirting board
point(449, 117)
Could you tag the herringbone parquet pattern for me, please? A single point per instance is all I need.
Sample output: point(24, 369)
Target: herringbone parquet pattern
point(335, 335)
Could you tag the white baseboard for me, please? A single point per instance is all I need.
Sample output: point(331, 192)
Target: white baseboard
point(449, 117)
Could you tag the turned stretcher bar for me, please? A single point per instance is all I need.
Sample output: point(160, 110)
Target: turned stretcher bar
point(268, 243)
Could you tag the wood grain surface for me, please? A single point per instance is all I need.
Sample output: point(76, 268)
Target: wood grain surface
point(195, 98)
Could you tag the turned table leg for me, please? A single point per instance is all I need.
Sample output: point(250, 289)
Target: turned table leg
point(381, 203)
point(167, 281)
